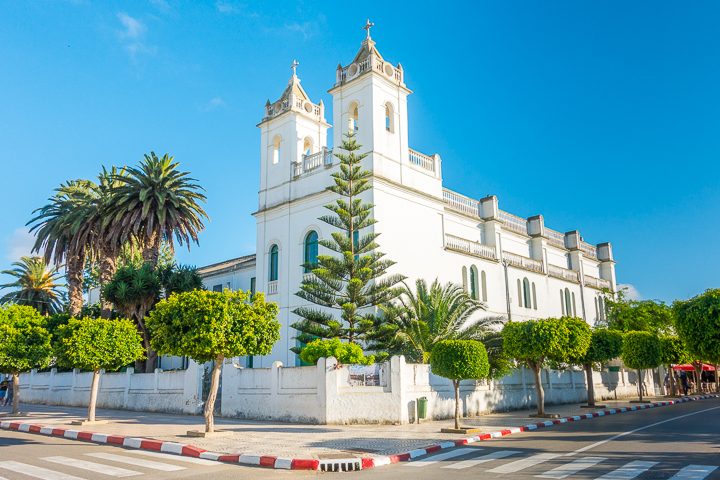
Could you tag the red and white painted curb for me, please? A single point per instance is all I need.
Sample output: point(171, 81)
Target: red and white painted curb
point(331, 465)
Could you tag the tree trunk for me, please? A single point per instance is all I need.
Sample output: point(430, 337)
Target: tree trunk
point(456, 385)
point(16, 393)
point(671, 374)
point(539, 388)
point(590, 385)
point(93, 395)
point(74, 272)
point(151, 249)
point(717, 380)
point(151, 360)
point(210, 402)
point(697, 374)
point(108, 266)
point(640, 385)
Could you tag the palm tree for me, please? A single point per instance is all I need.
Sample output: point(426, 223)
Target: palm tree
point(153, 203)
point(57, 226)
point(439, 312)
point(37, 285)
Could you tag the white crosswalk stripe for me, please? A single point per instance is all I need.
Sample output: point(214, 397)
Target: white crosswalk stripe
point(477, 461)
point(524, 463)
point(628, 471)
point(139, 462)
point(177, 458)
point(441, 456)
point(564, 471)
point(36, 472)
point(92, 466)
point(694, 472)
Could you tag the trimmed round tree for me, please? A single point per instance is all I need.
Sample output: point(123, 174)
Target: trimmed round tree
point(459, 360)
point(641, 350)
point(604, 346)
point(24, 344)
point(534, 342)
point(347, 353)
point(96, 344)
point(697, 322)
point(211, 326)
point(673, 351)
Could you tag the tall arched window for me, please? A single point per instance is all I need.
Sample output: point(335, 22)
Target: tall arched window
point(520, 295)
point(311, 251)
point(534, 295)
point(473, 282)
point(601, 307)
point(597, 312)
point(483, 285)
point(273, 270)
point(573, 305)
point(389, 117)
point(276, 150)
point(562, 302)
point(307, 146)
point(464, 279)
point(527, 299)
point(353, 118)
point(568, 303)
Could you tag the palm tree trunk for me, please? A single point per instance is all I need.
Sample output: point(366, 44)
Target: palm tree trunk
point(75, 267)
point(93, 395)
point(456, 384)
point(590, 385)
point(151, 249)
point(210, 403)
point(108, 266)
point(16, 393)
point(539, 388)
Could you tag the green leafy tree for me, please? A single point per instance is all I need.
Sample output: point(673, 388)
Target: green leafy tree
point(641, 350)
point(355, 278)
point(459, 360)
point(673, 351)
point(434, 313)
point(698, 324)
point(211, 326)
point(96, 344)
point(638, 315)
point(24, 344)
point(535, 342)
point(35, 285)
point(344, 353)
point(604, 346)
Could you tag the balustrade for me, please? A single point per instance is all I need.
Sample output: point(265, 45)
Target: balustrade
point(469, 247)
point(594, 282)
point(420, 159)
point(563, 273)
point(588, 250)
point(555, 238)
point(513, 222)
point(461, 203)
point(272, 287)
point(525, 263)
point(313, 161)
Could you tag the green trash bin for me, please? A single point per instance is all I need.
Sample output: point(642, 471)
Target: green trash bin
point(422, 407)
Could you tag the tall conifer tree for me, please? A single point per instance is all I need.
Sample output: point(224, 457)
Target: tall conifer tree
point(355, 278)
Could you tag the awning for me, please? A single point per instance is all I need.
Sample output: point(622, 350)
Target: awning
point(689, 368)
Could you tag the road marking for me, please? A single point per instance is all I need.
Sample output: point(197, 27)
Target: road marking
point(694, 472)
point(518, 465)
point(626, 472)
point(139, 462)
point(177, 458)
point(442, 456)
point(92, 466)
point(564, 471)
point(619, 435)
point(37, 472)
point(485, 458)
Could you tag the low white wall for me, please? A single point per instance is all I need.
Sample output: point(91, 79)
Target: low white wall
point(171, 392)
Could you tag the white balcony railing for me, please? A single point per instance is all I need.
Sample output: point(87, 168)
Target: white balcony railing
point(461, 203)
point(563, 273)
point(469, 247)
point(595, 282)
point(525, 263)
point(588, 250)
point(272, 287)
point(513, 222)
point(421, 160)
point(313, 161)
point(555, 238)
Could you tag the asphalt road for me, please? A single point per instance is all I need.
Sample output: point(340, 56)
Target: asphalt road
point(678, 442)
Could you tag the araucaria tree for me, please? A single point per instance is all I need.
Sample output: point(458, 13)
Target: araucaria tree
point(641, 350)
point(534, 342)
point(604, 346)
point(211, 326)
point(459, 360)
point(355, 278)
point(24, 344)
point(96, 344)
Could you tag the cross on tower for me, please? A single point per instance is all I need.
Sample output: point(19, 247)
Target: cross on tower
point(367, 27)
point(294, 66)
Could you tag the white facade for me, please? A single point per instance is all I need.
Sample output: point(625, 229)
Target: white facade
point(518, 266)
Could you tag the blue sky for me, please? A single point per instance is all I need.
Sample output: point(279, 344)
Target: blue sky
point(602, 116)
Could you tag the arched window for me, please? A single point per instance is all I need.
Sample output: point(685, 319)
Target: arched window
point(276, 150)
point(464, 279)
point(573, 305)
point(473, 282)
point(353, 118)
point(534, 295)
point(307, 146)
point(597, 311)
point(601, 307)
point(311, 251)
point(568, 303)
point(273, 264)
point(483, 285)
point(527, 299)
point(389, 117)
point(562, 302)
point(520, 295)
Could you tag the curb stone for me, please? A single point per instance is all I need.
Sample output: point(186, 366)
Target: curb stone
point(328, 465)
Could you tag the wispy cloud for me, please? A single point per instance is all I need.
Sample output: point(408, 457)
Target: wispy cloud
point(213, 104)
point(228, 8)
point(306, 29)
point(161, 5)
point(631, 293)
point(19, 244)
point(132, 35)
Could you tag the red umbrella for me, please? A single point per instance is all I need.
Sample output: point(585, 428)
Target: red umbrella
point(689, 368)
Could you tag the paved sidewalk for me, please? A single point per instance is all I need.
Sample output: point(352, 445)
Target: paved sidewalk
point(285, 439)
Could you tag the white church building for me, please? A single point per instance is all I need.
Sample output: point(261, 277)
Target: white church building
point(518, 266)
